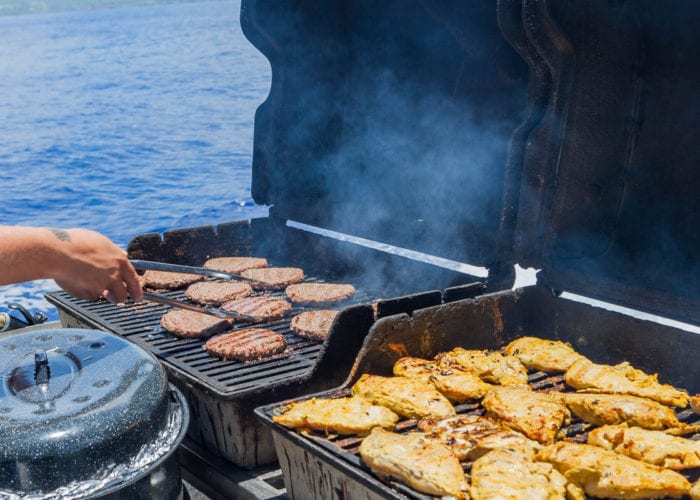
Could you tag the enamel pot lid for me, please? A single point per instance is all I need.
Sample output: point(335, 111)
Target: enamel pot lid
point(72, 402)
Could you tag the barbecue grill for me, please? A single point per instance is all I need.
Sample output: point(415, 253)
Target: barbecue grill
point(552, 134)
point(600, 194)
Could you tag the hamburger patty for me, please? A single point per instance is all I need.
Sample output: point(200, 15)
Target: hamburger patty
point(185, 323)
point(171, 281)
point(274, 278)
point(235, 265)
point(265, 308)
point(251, 344)
point(313, 325)
point(215, 293)
point(319, 293)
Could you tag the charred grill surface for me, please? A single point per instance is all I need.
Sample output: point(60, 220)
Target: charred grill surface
point(140, 323)
point(346, 448)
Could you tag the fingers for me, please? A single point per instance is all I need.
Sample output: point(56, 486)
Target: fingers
point(131, 281)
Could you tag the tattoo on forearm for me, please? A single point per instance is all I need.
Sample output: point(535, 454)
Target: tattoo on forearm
point(61, 234)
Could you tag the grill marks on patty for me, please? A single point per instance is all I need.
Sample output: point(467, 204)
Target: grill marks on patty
point(191, 324)
point(251, 344)
point(168, 280)
point(319, 293)
point(215, 293)
point(265, 308)
point(313, 325)
point(235, 265)
point(274, 278)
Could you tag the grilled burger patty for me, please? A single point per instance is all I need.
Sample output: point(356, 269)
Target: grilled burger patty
point(313, 325)
point(319, 293)
point(274, 278)
point(185, 323)
point(265, 308)
point(251, 344)
point(235, 265)
point(215, 293)
point(171, 281)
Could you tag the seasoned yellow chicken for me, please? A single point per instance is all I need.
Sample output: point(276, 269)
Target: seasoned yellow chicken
point(506, 474)
point(408, 397)
point(470, 436)
point(535, 414)
point(622, 379)
point(604, 473)
point(613, 409)
point(654, 447)
point(491, 366)
point(454, 383)
point(339, 416)
point(542, 354)
point(695, 403)
point(427, 466)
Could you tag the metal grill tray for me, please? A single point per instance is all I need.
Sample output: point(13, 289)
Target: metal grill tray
point(140, 323)
point(346, 448)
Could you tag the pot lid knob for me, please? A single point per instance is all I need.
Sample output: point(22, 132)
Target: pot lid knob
point(41, 368)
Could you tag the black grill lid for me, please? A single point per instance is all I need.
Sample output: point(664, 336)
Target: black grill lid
point(609, 203)
point(388, 120)
point(73, 401)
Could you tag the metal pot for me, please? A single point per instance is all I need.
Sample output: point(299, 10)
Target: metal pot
point(85, 413)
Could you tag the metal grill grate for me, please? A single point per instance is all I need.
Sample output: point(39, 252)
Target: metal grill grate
point(140, 323)
point(346, 448)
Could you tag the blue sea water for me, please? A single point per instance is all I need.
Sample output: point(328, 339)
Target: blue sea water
point(126, 121)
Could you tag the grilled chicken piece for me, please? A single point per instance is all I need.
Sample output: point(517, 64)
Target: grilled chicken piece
point(408, 397)
point(454, 383)
point(535, 414)
point(471, 436)
point(654, 447)
point(622, 379)
point(340, 416)
point(426, 466)
point(542, 354)
point(491, 366)
point(510, 474)
point(695, 403)
point(604, 473)
point(613, 409)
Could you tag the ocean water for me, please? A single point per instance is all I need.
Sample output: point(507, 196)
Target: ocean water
point(126, 121)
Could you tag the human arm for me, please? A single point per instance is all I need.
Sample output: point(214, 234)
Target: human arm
point(84, 263)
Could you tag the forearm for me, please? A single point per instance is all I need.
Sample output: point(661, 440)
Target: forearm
point(28, 253)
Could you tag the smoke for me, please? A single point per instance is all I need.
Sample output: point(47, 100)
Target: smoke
point(393, 122)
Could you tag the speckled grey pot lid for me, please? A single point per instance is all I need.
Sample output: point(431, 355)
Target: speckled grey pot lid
point(98, 387)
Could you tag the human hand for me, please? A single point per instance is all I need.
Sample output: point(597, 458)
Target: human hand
point(91, 266)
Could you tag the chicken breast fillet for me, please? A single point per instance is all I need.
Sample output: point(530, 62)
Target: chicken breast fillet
point(490, 366)
point(604, 473)
point(428, 467)
point(535, 414)
point(340, 416)
point(613, 409)
point(653, 447)
point(506, 474)
point(454, 383)
point(408, 397)
point(542, 354)
point(471, 436)
point(622, 379)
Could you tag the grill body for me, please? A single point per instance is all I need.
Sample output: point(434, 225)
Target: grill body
point(321, 467)
point(222, 395)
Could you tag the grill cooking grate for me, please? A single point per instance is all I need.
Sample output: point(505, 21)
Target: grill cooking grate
point(347, 447)
point(140, 323)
